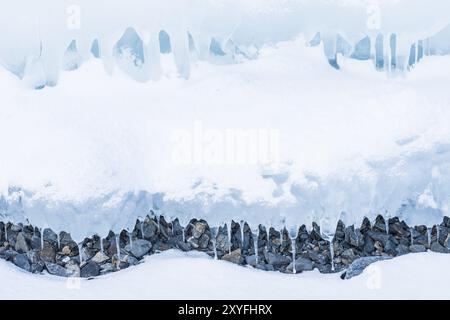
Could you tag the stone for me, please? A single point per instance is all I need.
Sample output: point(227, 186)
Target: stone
point(199, 228)
point(301, 264)
point(139, 248)
point(401, 250)
point(436, 247)
point(379, 225)
point(251, 260)
point(48, 253)
point(234, 257)
point(57, 270)
point(21, 260)
point(100, 258)
point(21, 245)
point(357, 267)
point(90, 269)
point(129, 260)
point(33, 257)
point(277, 260)
point(417, 248)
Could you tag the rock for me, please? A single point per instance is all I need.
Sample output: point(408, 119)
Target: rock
point(21, 260)
point(277, 260)
point(353, 237)
point(348, 256)
point(66, 250)
point(436, 247)
point(129, 260)
point(57, 270)
point(35, 243)
point(417, 248)
point(48, 254)
point(107, 268)
point(381, 237)
point(401, 250)
point(21, 244)
point(199, 228)
point(33, 257)
point(357, 267)
point(203, 241)
point(139, 248)
point(251, 260)
point(90, 269)
point(234, 257)
point(379, 225)
point(100, 258)
point(37, 267)
point(301, 264)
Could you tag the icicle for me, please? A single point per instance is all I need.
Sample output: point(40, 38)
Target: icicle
point(101, 246)
point(242, 234)
point(42, 239)
point(130, 236)
point(118, 247)
point(142, 230)
point(214, 232)
point(58, 241)
point(255, 244)
point(229, 238)
point(412, 237)
point(293, 234)
point(332, 254)
point(437, 233)
point(429, 237)
point(6, 232)
point(80, 252)
point(183, 229)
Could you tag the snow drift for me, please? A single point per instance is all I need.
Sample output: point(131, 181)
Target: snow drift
point(94, 150)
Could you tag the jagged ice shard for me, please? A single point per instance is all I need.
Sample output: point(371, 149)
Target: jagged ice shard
point(97, 96)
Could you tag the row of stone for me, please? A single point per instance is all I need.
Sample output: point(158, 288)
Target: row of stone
point(37, 250)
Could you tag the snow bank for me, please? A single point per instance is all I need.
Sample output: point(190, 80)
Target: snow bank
point(350, 141)
point(176, 275)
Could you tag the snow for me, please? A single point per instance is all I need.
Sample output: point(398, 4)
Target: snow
point(177, 275)
point(96, 151)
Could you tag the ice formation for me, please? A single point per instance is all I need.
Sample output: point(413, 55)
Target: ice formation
point(90, 152)
point(394, 34)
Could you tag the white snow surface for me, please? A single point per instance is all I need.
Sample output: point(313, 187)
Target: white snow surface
point(177, 275)
point(96, 151)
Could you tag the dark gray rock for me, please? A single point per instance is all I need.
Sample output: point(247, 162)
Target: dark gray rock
point(90, 269)
point(401, 249)
point(436, 247)
point(277, 260)
point(358, 266)
point(139, 248)
point(57, 270)
point(48, 253)
point(301, 264)
point(21, 245)
point(251, 260)
point(22, 262)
